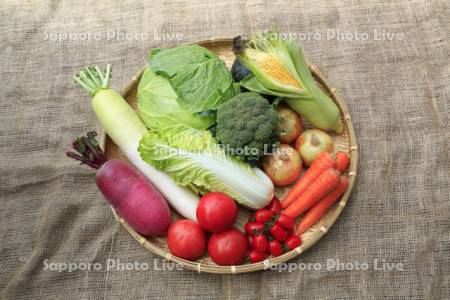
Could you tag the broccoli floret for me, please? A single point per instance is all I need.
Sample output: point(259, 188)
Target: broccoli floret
point(246, 126)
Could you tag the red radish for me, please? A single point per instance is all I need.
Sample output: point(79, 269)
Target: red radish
point(342, 161)
point(134, 197)
point(131, 194)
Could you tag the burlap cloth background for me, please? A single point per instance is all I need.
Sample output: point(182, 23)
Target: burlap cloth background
point(398, 93)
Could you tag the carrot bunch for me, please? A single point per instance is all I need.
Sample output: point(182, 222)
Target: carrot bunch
point(318, 189)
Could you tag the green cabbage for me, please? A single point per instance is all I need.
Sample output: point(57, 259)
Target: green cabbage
point(199, 77)
point(194, 159)
point(159, 108)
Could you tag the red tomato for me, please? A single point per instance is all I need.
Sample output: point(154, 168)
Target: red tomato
point(254, 228)
point(286, 222)
point(293, 242)
point(228, 247)
point(278, 232)
point(186, 239)
point(275, 248)
point(259, 243)
point(256, 256)
point(263, 215)
point(216, 212)
point(283, 166)
point(290, 231)
point(275, 205)
point(250, 241)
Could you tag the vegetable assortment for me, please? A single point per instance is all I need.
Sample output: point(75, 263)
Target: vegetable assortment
point(206, 139)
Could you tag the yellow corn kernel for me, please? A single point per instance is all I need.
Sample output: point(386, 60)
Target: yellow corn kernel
point(273, 68)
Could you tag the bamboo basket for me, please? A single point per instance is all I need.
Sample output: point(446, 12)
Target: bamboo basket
point(345, 142)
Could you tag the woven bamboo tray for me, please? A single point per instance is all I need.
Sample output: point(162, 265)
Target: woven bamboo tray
point(345, 142)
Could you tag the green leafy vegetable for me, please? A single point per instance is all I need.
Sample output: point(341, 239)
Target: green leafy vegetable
point(279, 68)
point(194, 159)
point(159, 108)
point(200, 78)
point(87, 151)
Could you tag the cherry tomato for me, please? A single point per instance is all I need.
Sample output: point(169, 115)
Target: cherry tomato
point(286, 222)
point(259, 243)
point(186, 239)
point(254, 228)
point(228, 247)
point(275, 205)
point(275, 248)
point(293, 242)
point(278, 232)
point(250, 242)
point(263, 215)
point(216, 212)
point(256, 256)
point(290, 231)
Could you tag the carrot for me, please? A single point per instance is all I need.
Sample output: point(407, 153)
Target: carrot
point(323, 185)
point(342, 161)
point(314, 214)
point(323, 161)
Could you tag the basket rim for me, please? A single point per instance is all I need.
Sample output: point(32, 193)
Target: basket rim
point(270, 262)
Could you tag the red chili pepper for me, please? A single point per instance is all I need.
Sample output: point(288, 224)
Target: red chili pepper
point(257, 256)
point(286, 222)
point(263, 215)
point(260, 243)
point(278, 232)
point(275, 205)
point(254, 228)
point(293, 242)
point(275, 248)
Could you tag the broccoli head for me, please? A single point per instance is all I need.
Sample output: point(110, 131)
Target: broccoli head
point(246, 125)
